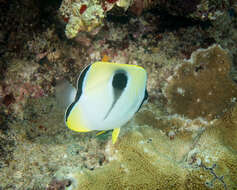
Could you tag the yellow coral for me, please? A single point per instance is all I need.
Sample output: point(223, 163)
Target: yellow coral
point(83, 16)
point(73, 27)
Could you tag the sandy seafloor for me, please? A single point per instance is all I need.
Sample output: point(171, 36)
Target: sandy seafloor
point(184, 137)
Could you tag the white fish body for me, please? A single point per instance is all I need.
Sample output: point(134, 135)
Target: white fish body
point(108, 95)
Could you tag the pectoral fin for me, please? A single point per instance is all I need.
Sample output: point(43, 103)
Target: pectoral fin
point(115, 135)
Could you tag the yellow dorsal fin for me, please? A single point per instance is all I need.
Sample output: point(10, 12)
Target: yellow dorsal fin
point(100, 133)
point(105, 58)
point(115, 135)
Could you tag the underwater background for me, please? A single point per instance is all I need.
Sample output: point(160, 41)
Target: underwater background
point(183, 138)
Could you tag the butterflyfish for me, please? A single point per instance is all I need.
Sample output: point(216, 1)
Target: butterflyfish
point(107, 97)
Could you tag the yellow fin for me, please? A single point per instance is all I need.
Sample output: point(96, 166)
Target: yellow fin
point(100, 133)
point(76, 127)
point(75, 121)
point(115, 135)
point(105, 58)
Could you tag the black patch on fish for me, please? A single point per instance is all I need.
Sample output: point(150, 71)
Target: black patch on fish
point(144, 99)
point(79, 90)
point(120, 80)
point(119, 83)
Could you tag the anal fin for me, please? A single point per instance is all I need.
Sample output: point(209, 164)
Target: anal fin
point(115, 135)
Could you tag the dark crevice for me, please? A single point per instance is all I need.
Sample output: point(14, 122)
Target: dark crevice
point(168, 22)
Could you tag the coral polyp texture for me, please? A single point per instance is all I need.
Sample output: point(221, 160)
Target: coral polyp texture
point(202, 86)
point(228, 129)
point(147, 158)
point(135, 165)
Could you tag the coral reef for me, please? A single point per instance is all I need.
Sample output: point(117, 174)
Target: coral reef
point(135, 165)
point(82, 16)
point(185, 151)
point(88, 16)
point(35, 148)
point(202, 87)
point(146, 158)
point(228, 128)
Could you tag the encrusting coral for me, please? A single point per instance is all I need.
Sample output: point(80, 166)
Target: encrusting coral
point(228, 127)
point(202, 86)
point(146, 158)
point(135, 165)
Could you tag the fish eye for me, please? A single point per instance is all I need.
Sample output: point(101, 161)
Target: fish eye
point(120, 80)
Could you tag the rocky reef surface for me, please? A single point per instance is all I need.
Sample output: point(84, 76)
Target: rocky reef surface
point(88, 16)
point(184, 137)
